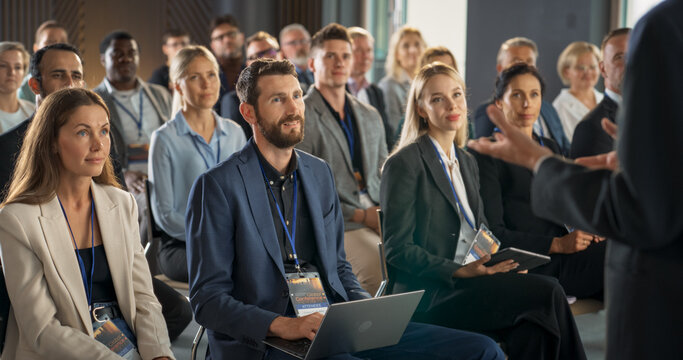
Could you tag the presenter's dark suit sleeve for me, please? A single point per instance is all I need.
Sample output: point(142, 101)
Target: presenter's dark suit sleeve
point(210, 234)
point(398, 198)
point(491, 179)
point(641, 204)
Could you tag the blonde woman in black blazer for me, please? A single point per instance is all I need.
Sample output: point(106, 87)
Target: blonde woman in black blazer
point(529, 314)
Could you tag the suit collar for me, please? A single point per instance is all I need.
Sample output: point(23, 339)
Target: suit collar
point(258, 202)
point(260, 207)
point(443, 182)
point(329, 124)
point(429, 156)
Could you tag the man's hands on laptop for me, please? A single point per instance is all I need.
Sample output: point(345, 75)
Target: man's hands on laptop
point(296, 328)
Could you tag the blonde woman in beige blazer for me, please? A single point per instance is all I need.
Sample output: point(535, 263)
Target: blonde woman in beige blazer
point(64, 197)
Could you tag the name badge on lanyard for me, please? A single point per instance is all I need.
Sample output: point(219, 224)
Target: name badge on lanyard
point(306, 293)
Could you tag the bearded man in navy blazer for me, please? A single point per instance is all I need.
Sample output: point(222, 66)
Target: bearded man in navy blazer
point(239, 223)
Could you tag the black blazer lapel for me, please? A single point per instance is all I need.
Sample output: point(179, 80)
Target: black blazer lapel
point(471, 183)
point(257, 197)
point(429, 156)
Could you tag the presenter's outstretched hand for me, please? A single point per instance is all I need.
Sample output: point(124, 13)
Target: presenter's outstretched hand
point(511, 145)
point(477, 268)
point(296, 328)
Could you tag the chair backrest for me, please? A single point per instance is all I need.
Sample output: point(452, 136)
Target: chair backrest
point(384, 284)
point(195, 343)
point(153, 230)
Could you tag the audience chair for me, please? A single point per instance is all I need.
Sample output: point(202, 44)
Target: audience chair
point(195, 343)
point(154, 234)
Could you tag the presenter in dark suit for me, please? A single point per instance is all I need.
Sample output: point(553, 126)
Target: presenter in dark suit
point(427, 233)
point(638, 207)
point(577, 257)
point(242, 239)
point(589, 138)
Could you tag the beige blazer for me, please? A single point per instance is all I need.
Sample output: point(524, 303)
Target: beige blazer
point(49, 316)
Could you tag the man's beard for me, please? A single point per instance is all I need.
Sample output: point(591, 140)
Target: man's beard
point(275, 136)
point(300, 61)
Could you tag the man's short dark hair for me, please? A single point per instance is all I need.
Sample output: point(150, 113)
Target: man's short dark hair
point(114, 35)
point(246, 86)
point(223, 19)
point(171, 33)
point(332, 31)
point(37, 58)
point(49, 24)
point(611, 34)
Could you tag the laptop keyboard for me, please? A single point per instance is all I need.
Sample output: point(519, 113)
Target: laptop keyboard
point(300, 346)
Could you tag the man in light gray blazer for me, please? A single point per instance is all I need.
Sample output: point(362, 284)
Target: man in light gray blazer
point(349, 135)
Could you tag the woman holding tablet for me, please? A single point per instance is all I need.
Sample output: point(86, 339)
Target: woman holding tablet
point(577, 257)
point(432, 210)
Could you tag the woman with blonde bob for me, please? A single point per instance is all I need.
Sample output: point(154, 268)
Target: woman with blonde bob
point(578, 68)
point(405, 48)
point(432, 210)
point(195, 140)
point(71, 251)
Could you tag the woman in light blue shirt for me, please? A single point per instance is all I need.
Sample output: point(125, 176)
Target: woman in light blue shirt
point(195, 140)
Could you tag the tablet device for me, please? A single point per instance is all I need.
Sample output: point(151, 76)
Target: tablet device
point(527, 260)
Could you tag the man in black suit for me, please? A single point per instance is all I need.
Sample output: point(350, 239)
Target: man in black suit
point(589, 138)
point(638, 206)
point(363, 57)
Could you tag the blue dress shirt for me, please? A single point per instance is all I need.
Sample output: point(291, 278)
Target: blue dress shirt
point(177, 156)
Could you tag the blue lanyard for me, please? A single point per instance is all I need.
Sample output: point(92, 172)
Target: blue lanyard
point(448, 176)
point(218, 151)
point(347, 126)
point(137, 122)
point(81, 264)
point(291, 237)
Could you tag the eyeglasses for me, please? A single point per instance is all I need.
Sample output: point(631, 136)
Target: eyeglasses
point(231, 34)
point(297, 42)
point(271, 53)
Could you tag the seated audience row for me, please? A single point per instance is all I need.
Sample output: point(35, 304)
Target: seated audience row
point(131, 129)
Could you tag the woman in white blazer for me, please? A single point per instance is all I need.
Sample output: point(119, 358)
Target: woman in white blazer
point(71, 253)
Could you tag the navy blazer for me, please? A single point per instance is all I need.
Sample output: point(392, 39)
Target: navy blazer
point(589, 137)
point(236, 273)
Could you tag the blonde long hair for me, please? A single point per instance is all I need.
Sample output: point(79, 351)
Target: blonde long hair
point(37, 173)
point(179, 65)
point(391, 65)
point(414, 125)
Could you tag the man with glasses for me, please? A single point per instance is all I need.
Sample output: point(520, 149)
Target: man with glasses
point(260, 45)
point(226, 43)
point(172, 41)
point(296, 44)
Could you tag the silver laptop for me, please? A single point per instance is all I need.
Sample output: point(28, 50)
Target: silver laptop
point(355, 326)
